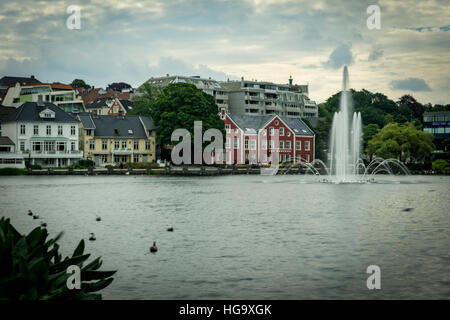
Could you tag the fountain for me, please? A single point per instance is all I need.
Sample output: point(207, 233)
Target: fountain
point(345, 163)
point(345, 142)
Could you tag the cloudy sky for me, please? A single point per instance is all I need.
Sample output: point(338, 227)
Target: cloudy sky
point(132, 40)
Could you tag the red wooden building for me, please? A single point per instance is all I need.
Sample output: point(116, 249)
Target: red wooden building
point(253, 139)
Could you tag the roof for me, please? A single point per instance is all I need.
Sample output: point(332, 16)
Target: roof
point(99, 103)
point(11, 81)
point(118, 126)
point(127, 104)
point(5, 141)
point(29, 111)
point(258, 122)
point(86, 120)
point(5, 110)
point(94, 94)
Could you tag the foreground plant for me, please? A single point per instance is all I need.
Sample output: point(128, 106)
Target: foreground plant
point(31, 268)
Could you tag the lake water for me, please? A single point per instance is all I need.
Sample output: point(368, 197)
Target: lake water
point(248, 237)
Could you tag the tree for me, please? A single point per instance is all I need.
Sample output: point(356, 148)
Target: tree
point(440, 165)
point(144, 98)
point(415, 107)
point(403, 142)
point(369, 132)
point(79, 83)
point(178, 106)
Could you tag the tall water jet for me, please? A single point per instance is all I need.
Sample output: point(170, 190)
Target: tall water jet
point(345, 143)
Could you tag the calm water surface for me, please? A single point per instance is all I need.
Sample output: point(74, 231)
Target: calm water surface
point(248, 237)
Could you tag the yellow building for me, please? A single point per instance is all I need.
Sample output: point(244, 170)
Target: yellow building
point(111, 140)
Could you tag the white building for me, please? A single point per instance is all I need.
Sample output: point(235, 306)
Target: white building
point(43, 134)
point(9, 158)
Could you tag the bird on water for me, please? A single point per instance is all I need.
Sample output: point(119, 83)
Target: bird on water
point(30, 213)
point(153, 248)
point(92, 237)
point(170, 229)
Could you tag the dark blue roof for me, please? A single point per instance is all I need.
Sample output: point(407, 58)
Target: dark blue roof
point(29, 111)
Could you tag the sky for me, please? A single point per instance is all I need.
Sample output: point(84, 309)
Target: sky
point(266, 40)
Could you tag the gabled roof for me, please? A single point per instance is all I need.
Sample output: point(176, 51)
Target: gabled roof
point(118, 126)
point(259, 122)
point(29, 111)
point(127, 104)
point(86, 120)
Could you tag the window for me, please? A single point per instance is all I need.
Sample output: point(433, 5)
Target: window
point(307, 158)
point(22, 129)
point(103, 158)
point(136, 145)
point(36, 129)
point(49, 146)
point(147, 145)
point(61, 146)
point(135, 158)
point(246, 144)
point(124, 144)
point(72, 146)
point(104, 144)
point(236, 143)
point(253, 144)
point(227, 128)
point(281, 131)
point(60, 130)
point(271, 131)
point(227, 143)
point(91, 144)
point(277, 122)
point(298, 145)
point(89, 132)
point(36, 146)
point(264, 145)
point(288, 144)
point(22, 145)
point(307, 143)
point(272, 144)
point(282, 144)
point(72, 130)
point(116, 144)
point(49, 130)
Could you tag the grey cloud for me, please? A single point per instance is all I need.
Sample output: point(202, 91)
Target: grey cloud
point(375, 55)
point(340, 56)
point(412, 84)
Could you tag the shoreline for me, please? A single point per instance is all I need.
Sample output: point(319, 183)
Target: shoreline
point(175, 170)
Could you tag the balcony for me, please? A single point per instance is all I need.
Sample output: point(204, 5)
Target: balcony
point(54, 154)
point(119, 151)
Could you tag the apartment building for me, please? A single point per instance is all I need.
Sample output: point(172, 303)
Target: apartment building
point(209, 86)
point(254, 98)
point(62, 95)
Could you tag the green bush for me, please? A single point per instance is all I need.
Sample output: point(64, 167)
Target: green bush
point(12, 172)
point(31, 268)
point(35, 167)
point(441, 165)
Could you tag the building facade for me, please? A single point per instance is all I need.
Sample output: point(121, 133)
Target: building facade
point(255, 98)
point(61, 95)
point(438, 124)
point(43, 134)
point(111, 140)
point(253, 139)
point(209, 86)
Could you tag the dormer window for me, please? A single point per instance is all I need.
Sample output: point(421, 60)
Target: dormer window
point(47, 113)
point(130, 131)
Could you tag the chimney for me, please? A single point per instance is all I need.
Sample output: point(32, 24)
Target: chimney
point(290, 81)
point(32, 77)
